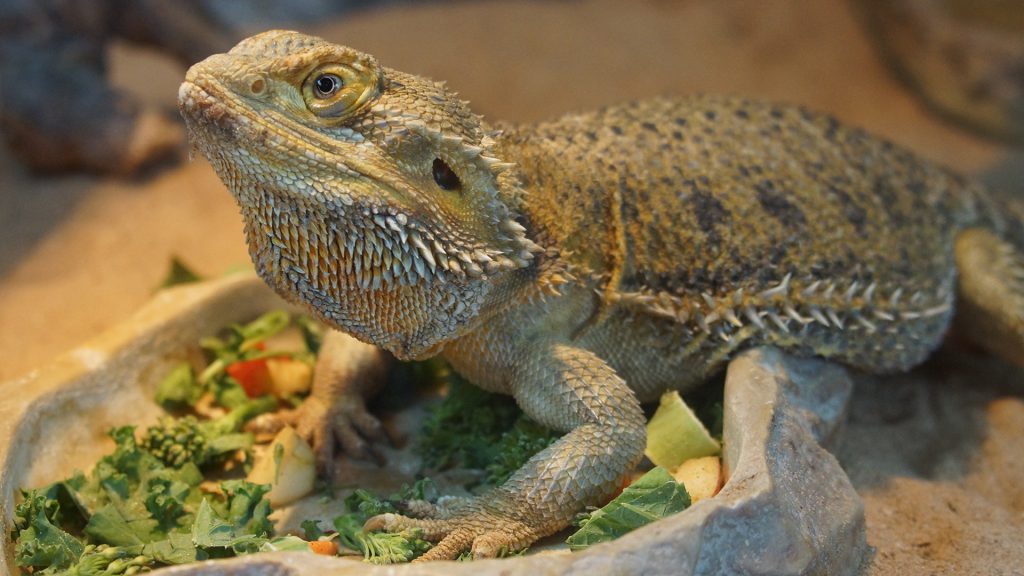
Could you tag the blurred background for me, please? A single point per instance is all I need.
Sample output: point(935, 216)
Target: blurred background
point(97, 191)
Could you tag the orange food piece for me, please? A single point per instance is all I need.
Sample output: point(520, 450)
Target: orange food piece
point(325, 547)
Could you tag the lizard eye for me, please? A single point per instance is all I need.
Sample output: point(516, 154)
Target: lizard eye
point(327, 85)
point(334, 92)
point(445, 177)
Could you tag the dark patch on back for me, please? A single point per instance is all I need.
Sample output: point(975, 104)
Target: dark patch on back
point(708, 210)
point(650, 126)
point(775, 203)
point(852, 211)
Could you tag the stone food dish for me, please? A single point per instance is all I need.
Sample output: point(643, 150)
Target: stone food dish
point(55, 420)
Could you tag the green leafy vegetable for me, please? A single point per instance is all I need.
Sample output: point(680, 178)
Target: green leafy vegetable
point(42, 543)
point(141, 507)
point(286, 543)
point(655, 495)
point(379, 547)
point(311, 529)
point(135, 511)
point(517, 446)
point(477, 429)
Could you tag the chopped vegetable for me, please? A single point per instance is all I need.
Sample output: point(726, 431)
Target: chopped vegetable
point(135, 512)
point(702, 477)
point(515, 447)
point(176, 441)
point(675, 434)
point(288, 466)
point(179, 389)
point(141, 507)
point(654, 496)
point(379, 547)
point(289, 377)
point(473, 428)
point(252, 375)
point(312, 333)
point(324, 547)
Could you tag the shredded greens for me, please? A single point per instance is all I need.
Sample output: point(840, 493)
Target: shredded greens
point(133, 511)
point(142, 507)
point(473, 428)
point(379, 547)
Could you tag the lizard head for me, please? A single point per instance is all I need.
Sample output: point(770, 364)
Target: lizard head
point(369, 195)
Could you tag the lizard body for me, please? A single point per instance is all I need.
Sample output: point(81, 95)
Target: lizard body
point(590, 263)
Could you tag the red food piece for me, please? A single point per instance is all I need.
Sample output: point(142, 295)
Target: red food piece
point(252, 375)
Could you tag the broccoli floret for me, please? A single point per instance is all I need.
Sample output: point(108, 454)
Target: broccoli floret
point(175, 441)
point(106, 560)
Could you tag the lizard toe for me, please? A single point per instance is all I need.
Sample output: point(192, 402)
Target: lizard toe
point(485, 534)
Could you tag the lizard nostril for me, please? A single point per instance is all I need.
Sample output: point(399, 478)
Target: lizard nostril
point(257, 86)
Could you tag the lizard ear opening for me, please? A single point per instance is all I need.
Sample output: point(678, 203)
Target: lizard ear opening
point(335, 92)
point(444, 176)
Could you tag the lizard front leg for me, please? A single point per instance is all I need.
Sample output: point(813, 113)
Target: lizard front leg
point(347, 373)
point(567, 389)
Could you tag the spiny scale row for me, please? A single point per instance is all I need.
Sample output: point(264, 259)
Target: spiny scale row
point(825, 303)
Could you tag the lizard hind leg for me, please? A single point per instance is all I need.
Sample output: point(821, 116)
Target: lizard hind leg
point(991, 293)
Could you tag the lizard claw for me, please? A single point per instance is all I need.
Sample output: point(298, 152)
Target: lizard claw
point(346, 423)
point(485, 533)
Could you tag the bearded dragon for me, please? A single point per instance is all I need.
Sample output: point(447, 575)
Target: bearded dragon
point(587, 264)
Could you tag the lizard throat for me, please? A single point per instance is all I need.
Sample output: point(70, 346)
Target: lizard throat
point(357, 275)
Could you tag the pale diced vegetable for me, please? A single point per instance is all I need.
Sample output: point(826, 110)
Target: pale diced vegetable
point(289, 377)
point(702, 477)
point(675, 434)
point(288, 466)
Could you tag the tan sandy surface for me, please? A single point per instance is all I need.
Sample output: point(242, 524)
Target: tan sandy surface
point(937, 455)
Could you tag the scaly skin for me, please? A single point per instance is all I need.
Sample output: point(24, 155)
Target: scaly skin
point(586, 264)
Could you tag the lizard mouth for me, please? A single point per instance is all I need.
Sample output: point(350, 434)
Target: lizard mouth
point(206, 110)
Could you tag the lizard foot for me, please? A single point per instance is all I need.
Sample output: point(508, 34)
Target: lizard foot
point(485, 533)
point(345, 422)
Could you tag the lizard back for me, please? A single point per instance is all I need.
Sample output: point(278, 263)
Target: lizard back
point(734, 223)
